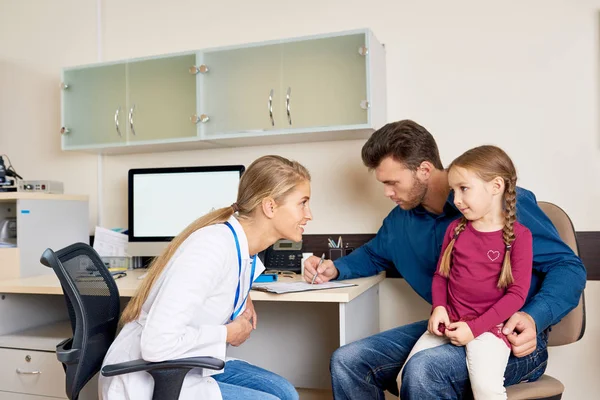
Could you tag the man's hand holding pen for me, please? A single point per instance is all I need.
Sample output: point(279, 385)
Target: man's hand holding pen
point(324, 271)
point(312, 282)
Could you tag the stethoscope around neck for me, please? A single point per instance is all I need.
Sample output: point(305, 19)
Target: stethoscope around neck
point(237, 311)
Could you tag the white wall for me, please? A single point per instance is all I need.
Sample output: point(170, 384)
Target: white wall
point(523, 76)
point(38, 38)
point(520, 74)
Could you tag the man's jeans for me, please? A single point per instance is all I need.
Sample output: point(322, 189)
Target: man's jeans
point(365, 368)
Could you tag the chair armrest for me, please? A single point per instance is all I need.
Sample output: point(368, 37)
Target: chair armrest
point(65, 353)
point(142, 365)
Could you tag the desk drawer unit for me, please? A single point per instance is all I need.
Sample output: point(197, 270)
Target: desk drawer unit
point(31, 372)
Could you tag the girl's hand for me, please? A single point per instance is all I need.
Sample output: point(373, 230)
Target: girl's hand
point(238, 330)
point(438, 316)
point(459, 333)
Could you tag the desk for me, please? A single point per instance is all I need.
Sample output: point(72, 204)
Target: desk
point(296, 334)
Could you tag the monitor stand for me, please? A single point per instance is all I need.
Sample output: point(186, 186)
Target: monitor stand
point(146, 249)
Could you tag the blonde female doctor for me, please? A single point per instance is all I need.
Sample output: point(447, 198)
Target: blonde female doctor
point(194, 301)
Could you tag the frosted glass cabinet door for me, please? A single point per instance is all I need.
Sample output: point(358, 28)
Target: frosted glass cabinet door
point(93, 109)
point(326, 80)
point(162, 98)
point(236, 91)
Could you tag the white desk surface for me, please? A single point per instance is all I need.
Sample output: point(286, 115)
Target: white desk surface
point(48, 284)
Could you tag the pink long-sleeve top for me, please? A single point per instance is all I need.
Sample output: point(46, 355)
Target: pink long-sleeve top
point(470, 293)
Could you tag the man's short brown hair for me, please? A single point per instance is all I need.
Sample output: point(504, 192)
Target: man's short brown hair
point(405, 141)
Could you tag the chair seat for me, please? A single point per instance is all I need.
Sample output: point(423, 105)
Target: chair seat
point(545, 387)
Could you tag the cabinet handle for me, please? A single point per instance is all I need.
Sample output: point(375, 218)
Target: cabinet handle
point(270, 107)
point(117, 121)
point(64, 130)
point(287, 105)
point(19, 371)
point(202, 69)
point(199, 118)
point(131, 119)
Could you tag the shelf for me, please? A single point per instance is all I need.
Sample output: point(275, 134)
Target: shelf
point(42, 338)
point(11, 196)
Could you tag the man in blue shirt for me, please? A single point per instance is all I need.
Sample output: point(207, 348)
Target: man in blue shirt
point(405, 158)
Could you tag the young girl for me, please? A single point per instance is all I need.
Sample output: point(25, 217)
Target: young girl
point(484, 272)
point(194, 301)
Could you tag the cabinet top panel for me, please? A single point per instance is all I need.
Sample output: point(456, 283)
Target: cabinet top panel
point(9, 196)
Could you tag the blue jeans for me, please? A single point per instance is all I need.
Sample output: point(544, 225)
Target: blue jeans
point(241, 380)
point(365, 368)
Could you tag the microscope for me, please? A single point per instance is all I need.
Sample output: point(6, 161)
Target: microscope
point(7, 177)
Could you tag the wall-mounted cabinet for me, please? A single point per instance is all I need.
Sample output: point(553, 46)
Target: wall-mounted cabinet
point(240, 90)
point(327, 87)
point(93, 105)
point(125, 104)
point(161, 99)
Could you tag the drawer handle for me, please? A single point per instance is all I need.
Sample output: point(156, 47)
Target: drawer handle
point(20, 371)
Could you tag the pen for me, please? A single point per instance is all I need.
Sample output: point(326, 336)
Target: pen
point(117, 275)
point(318, 265)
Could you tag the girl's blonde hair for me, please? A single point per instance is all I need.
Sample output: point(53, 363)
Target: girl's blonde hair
point(268, 176)
point(489, 162)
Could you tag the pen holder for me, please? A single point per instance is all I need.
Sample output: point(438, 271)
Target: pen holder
point(334, 254)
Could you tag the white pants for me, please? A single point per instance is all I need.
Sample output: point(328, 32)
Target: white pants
point(487, 356)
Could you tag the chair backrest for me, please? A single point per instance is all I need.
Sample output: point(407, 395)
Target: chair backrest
point(93, 303)
point(571, 328)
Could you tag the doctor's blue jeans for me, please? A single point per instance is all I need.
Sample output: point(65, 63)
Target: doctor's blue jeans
point(241, 380)
point(365, 368)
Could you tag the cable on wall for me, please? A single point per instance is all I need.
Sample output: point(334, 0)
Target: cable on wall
point(100, 161)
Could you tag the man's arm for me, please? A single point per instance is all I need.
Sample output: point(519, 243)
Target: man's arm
point(370, 258)
point(564, 273)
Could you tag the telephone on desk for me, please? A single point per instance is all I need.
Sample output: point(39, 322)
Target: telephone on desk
point(284, 255)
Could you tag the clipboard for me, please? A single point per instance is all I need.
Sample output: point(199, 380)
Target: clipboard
point(298, 286)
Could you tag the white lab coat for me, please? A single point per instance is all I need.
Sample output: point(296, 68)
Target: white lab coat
point(185, 314)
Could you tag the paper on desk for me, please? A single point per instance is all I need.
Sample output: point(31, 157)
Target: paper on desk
point(291, 287)
point(110, 243)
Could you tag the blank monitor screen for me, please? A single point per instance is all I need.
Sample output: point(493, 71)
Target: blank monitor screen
point(163, 201)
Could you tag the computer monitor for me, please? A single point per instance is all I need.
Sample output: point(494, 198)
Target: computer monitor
point(163, 201)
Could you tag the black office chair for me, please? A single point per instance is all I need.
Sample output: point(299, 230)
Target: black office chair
point(93, 303)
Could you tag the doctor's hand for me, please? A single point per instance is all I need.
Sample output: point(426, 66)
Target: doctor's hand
point(238, 331)
point(521, 332)
point(250, 306)
point(326, 272)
